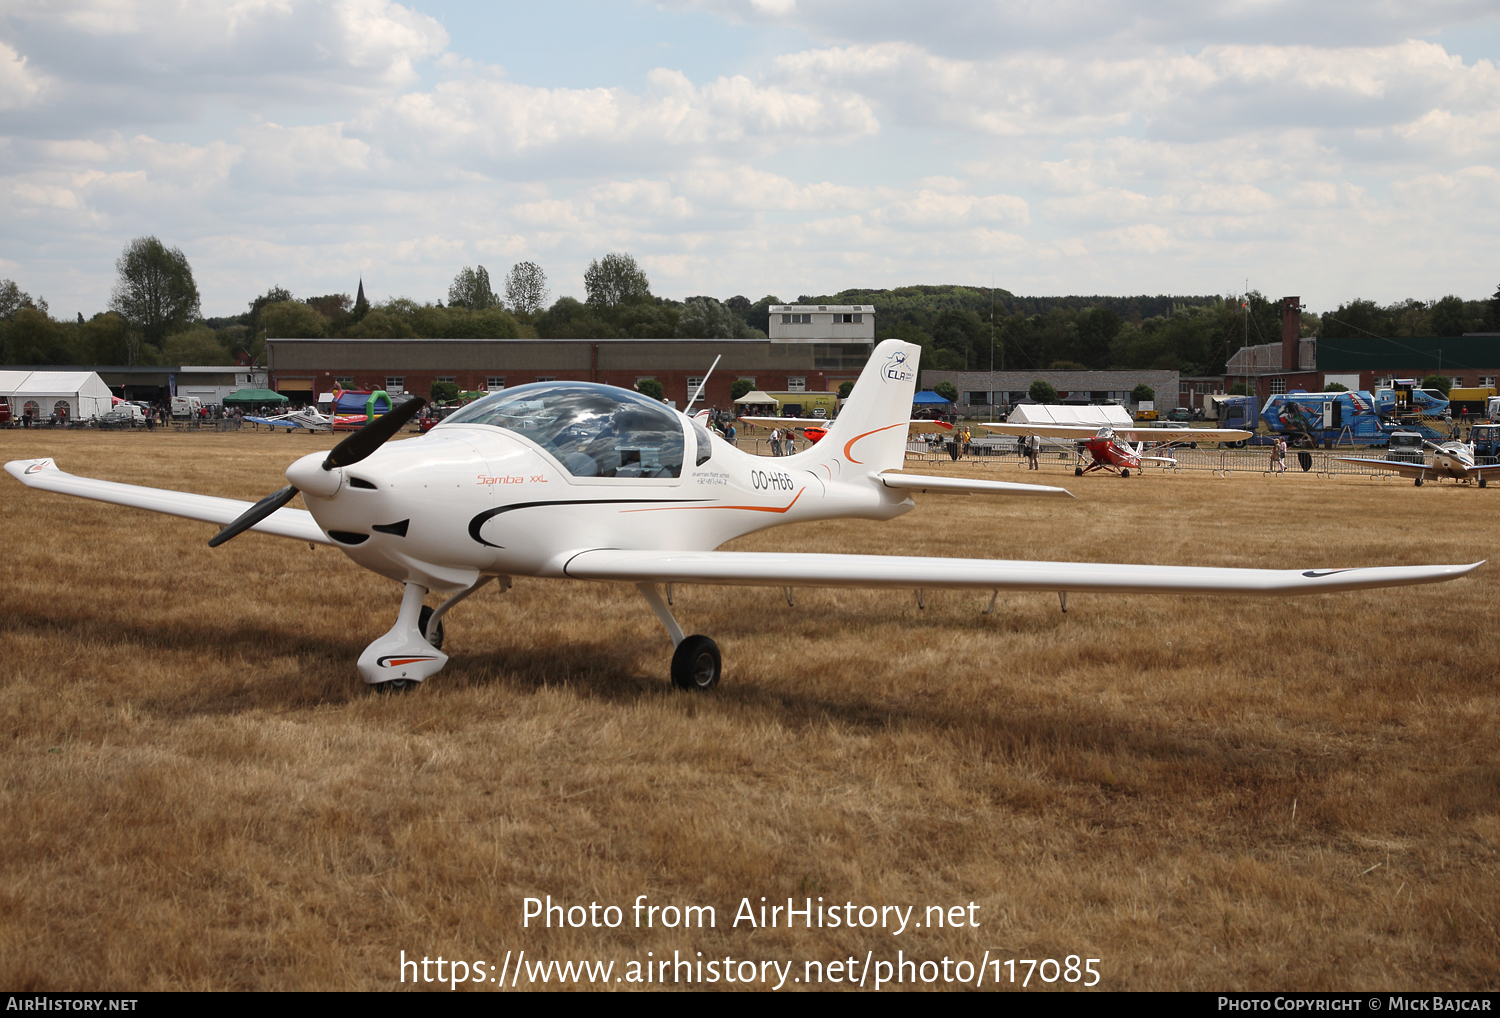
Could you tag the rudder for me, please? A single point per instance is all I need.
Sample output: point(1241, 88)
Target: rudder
point(870, 431)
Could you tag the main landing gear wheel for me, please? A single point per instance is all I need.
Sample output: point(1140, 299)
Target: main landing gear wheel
point(1419, 482)
point(1125, 472)
point(696, 664)
point(1078, 471)
point(1483, 482)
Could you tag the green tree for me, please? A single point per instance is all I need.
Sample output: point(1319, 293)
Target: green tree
point(1143, 393)
point(845, 388)
point(947, 391)
point(526, 287)
point(706, 318)
point(198, 345)
point(1356, 318)
point(1438, 382)
point(740, 387)
point(292, 319)
point(155, 291)
point(1449, 317)
point(1334, 387)
point(1239, 389)
point(13, 299)
point(758, 315)
point(649, 387)
point(104, 339)
point(615, 279)
point(1042, 392)
point(443, 392)
point(34, 338)
point(1097, 328)
point(471, 289)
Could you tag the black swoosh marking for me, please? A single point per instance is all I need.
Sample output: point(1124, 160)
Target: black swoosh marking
point(1315, 573)
point(480, 520)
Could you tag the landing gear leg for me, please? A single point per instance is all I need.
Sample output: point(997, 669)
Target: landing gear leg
point(696, 663)
point(403, 657)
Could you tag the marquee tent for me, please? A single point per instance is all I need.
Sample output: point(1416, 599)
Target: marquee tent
point(1051, 413)
point(77, 395)
point(929, 398)
point(256, 397)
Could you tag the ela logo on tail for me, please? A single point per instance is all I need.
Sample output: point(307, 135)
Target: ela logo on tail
point(896, 369)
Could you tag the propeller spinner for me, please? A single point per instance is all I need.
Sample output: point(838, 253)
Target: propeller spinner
point(351, 450)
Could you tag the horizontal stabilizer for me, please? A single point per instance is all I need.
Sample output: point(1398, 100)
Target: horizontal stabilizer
point(965, 486)
point(294, 523)
point(775, 569)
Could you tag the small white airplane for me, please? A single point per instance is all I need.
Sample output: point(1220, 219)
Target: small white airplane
point(307, 418)
point(1109, 447)
point(576, 480)
point(1450, 459)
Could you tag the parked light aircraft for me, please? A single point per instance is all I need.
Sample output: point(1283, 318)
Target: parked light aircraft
point(307, 418)
point(589, 482)
point(1450, 459)
point(1109, 447)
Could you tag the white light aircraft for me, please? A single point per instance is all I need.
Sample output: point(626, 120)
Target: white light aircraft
point(575, 480)
point(307, 418)
point(1450, 459)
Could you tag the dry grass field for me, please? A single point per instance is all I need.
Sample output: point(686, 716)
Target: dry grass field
point(196, 791)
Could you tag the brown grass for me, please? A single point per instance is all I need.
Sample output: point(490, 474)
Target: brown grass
point(197, 791)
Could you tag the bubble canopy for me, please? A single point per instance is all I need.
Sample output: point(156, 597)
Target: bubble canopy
point(592, 430)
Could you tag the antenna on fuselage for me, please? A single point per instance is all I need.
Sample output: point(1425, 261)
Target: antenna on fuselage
point(689, 409)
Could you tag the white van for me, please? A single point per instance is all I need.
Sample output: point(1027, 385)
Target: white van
point(186, 406)
point(136, 413)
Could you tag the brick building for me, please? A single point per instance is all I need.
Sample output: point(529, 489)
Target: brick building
point(302, 368)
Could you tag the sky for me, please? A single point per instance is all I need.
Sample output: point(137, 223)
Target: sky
point(1331, 151)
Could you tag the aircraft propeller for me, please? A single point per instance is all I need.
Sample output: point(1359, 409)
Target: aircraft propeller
point(351, 450)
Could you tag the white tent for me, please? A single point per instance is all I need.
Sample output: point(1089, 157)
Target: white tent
point(1050, 413)
point(77, 394)
point(757, 398)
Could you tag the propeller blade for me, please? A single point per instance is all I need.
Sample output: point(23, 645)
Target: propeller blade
point(373, 435)
point(250, 517)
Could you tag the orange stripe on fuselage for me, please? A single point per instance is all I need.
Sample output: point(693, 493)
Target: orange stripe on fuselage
point(849, 444)
point(751, 508)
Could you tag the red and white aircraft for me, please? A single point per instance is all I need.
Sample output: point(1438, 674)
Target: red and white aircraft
point(1109, 447)
point(575, 480)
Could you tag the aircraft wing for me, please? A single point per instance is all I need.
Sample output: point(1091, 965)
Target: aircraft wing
point(294, 523)
point(787, 422)
point(965, 486)
point(819, 422)
point(773, 569)
point(1041, 430)
point(1183, 434)
point(1404, 469)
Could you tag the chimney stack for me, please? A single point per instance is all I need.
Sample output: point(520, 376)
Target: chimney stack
point(1291, 333)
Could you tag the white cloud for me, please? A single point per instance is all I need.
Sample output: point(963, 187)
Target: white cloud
point(1071, 147)
point(973, 28)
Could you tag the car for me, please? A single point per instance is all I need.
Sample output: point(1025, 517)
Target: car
point(1182, 413)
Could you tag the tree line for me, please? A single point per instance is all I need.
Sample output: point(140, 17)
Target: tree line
point(154, 317)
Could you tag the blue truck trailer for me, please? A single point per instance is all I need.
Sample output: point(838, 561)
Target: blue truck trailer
point(1308, 419)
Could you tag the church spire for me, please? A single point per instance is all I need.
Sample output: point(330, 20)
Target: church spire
point(360, 304)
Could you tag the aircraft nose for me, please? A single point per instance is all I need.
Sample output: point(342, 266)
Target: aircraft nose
point(308, 476)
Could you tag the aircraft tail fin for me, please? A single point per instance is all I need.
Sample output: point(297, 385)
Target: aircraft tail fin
point(869, 434)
